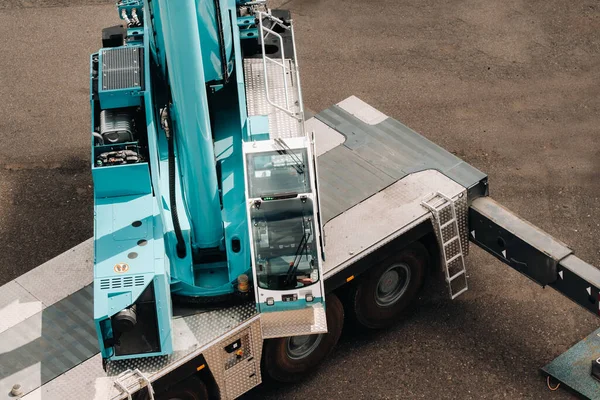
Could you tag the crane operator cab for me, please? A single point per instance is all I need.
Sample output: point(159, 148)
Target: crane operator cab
point(285, 236)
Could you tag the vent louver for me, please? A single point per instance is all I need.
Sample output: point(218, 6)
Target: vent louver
point(121, 282)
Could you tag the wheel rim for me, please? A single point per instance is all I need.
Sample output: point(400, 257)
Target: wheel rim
point(392, 285)
point(301, 346)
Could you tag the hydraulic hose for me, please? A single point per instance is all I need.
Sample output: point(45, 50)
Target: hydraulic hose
point(224, 66)
point(180, 247)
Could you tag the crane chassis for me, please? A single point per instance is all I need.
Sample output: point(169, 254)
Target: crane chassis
point(224, 217)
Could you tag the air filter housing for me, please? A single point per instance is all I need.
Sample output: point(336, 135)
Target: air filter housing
point(121, 76)
point(116, 126)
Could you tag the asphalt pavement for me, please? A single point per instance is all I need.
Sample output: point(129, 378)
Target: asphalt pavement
point(512, 87)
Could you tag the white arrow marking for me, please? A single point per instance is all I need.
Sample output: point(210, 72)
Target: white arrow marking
point(473, 233)
point(560, 273)
point(589, 290)
point(504, 253)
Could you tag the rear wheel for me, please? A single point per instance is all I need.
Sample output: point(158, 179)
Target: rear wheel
point(380, 297)
point(192, 388)
point(291, 359)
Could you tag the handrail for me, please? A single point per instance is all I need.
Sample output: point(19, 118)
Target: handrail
point(265, 31)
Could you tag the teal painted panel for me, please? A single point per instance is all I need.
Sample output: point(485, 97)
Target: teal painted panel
point(121, 180)
point(259, 127)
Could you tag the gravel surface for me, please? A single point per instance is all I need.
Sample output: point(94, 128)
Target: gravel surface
point(512, 87)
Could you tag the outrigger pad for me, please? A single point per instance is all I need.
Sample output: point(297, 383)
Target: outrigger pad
point(573, 368)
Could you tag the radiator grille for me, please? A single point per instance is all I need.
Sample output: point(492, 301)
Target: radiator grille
point(121, 282)
point(122, 68)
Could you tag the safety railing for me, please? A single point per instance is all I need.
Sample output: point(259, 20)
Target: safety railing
point(287, 66)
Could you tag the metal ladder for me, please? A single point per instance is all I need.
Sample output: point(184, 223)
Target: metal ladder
point(444, 212)
point(129, 381)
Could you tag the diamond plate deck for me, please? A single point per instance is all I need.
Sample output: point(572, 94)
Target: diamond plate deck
point(48, 342)
point(305, 321)
point(281, 125)
point(236, 376)
point(190, 333)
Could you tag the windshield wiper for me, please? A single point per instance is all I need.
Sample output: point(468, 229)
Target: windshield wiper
point(297, 257)
point(299, 165)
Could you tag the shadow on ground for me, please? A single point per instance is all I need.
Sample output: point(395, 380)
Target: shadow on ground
point(44, 211)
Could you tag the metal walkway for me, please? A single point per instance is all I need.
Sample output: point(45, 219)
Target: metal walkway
point(373, 156)
point(281, 124)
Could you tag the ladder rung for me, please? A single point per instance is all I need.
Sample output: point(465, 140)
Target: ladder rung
point(442, 206)
point(450, 221)
point(444, 203)
point(438, 210)
point(453, 277)
point(454, 258)
point(450, 241)
point(430, 197)
point(453, 296)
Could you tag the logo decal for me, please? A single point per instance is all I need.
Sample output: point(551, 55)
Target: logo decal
point(121, 268)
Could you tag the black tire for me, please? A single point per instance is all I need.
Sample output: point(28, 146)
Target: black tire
point(192, 388)
point(291, 359)
point(378, 300)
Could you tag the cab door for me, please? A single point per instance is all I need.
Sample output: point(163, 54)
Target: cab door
point(285, 237)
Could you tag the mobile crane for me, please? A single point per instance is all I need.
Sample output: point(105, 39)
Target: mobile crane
point(214, 192)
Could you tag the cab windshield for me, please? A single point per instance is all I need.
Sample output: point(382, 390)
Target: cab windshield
point(278, 172)
point(285, 244)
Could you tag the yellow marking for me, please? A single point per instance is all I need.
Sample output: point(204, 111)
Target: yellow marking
point(201, 367)
point(348, 279)
point(121, 268)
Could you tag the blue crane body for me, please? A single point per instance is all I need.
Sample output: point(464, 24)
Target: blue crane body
point(172, 142)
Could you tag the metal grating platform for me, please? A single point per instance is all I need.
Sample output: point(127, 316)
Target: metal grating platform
point(281, 124)
point(191, 333)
